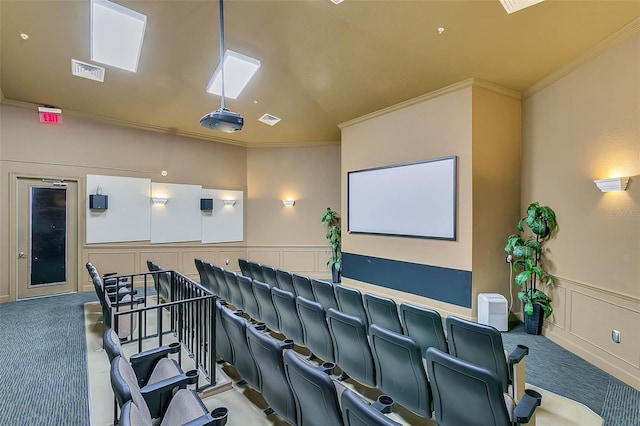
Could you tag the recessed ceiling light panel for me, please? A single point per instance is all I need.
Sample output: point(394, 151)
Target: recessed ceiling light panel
point(116, 35)
point(238, 70)
point(269, 119)
point(515, 5)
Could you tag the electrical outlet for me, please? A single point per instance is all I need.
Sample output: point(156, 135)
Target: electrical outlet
point(615, 336)
point(508, 259)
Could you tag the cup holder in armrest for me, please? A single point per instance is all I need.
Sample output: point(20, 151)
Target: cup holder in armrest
point(384, 404)
point(192, 376)
point(327, 367)
point(260, 326)
point(174, 347)
point(287, 344)
point(527, 405)
point(220, 416)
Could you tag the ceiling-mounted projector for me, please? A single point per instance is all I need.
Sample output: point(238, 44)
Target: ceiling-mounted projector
point(223, 120)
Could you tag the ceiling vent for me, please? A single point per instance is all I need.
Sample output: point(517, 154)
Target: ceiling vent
point(515, 5)
point(85, 70)
point(269, 119)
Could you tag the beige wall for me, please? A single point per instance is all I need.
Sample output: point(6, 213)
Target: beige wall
point(587, 126)
point(482, 127)
point(291, 237)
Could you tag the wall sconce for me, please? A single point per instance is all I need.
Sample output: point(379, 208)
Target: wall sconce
point(229, 202)
point(206, 204)
point(289, 203)
point(156, 201)
point(614, 184)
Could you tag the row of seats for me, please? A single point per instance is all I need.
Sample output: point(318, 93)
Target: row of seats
point(375, 356)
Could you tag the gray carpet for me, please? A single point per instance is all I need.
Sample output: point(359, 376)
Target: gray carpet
point(553, 368)
point(43, 363)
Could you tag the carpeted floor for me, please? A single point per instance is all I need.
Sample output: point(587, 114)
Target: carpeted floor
point(43, 370)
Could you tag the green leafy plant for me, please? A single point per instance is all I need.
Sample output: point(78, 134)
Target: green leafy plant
point(334, 238)
point(526, 255)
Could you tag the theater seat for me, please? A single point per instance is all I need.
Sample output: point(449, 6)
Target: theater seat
point(211, 277)
point(244, 268)
point(157, 393)
point(245, 285)
point(302, 284)
point(269, 275)
point(316, 331)
point(235, 297)
point(256, 271)
point(424, 326)
point(268, 313)
point(467, 394)
point(285, 304)
point(185, 408)
point(351, 347)
point(314, 393)
point(324, 293)
point(357, 412)
point(275, 389)
point(223, 346)
point(285, 281)
point(400, 370)
point(482, 345)
point(223, 288)
point(383, 312)
point(236, 328)
point(350, 302)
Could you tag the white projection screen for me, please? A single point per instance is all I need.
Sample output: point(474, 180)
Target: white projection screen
point(414, 199)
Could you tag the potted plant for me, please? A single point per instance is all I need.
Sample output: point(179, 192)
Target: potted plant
point(526, 255)
point(334, 237)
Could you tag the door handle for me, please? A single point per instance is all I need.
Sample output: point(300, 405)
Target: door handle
point(21, 254)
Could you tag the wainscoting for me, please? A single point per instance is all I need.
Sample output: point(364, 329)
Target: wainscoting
point(307, 260)
point(583, 319)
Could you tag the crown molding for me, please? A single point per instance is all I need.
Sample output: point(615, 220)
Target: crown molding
point(470, 82)
point(623, 33)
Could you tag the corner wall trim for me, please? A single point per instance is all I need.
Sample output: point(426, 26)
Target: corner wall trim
point(435, 282)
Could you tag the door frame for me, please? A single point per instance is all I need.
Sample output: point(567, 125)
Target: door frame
point(13, 224)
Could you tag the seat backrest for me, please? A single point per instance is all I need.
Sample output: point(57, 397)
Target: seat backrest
point(235, 296)
point(285, 281)
point(400, 370)
point(111, 344)
point(125, 386)
point(480, 344)
point(302, 284)
point(248, 298)
point(204, 279)
point(351, 346)
point(424, 326)
point(268, 313)
point(223, 288)
point(269, 275)
point(314, 393)
point(288, 318)
point(454, 380)
point(244, 268)
point(223, 346)
point(357, 412)
point(211, 278)
point(267, 352)
point(383, 312)
point(236, 328)
point(152, 268)
point(316, 331)
point(256, 271)
point(350, 302)
point(323, 291)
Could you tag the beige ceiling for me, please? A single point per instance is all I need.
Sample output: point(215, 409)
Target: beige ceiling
point(322, 64)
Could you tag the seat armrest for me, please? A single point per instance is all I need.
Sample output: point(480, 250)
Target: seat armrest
point(518, 354)
point(158, 395)
point(527, 405)
point(143, 363)
point(218, 417)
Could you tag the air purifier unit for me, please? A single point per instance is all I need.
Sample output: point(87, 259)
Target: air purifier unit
point(493, 311)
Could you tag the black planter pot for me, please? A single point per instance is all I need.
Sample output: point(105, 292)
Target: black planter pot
point(335, 275)
point(533, 323)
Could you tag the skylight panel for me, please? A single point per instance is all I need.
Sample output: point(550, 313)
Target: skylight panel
point(238, 70)
point(116, 35)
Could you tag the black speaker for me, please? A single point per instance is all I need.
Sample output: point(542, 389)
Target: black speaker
point(99, 202)
point(206, 203)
